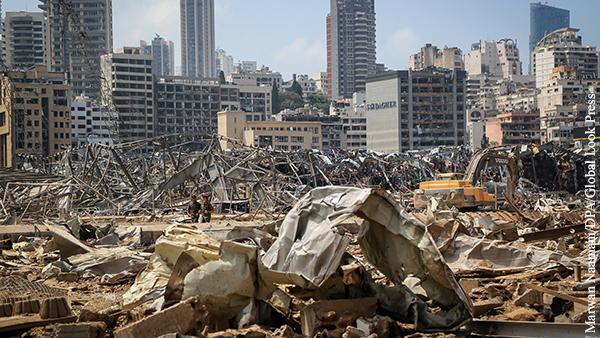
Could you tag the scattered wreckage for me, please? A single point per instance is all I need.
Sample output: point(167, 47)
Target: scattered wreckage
point(305, 244)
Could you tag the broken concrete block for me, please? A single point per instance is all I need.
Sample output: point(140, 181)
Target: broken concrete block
point(67, 276)
point(78, 330)
point(335, 313)
point(100, 308)
point(365, 325)
point(529, 297)
point(354, 332)
point(26, 306)
point(176, 335)
point(282, 332)
point(480, 308)
point(468, 284)
point(179, 318)
point(252, 331)
point(495, 290)
point(6, 310)
point(379, 325)
point(55, 308)
point(523, 314)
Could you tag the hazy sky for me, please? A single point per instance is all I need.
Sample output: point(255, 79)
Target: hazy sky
point(289, 36)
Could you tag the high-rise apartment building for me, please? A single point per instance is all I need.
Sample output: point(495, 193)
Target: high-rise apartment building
point(198, 38)
point(66, 42)
point(543, 20)
point(351, 52)
point(224, 63)
point(163, 53)
point(25, 40)
point(563, 48)
point(411, 110)
point(449, 58)
point(35, 112)
point(129, 78)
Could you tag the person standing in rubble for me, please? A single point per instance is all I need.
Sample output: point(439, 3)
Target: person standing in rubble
point(194, 209)
point(206, 209)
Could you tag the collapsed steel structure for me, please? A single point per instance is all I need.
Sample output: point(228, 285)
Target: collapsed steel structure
point(155, 176)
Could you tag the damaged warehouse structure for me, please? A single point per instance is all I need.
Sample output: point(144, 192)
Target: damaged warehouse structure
point(95, 243)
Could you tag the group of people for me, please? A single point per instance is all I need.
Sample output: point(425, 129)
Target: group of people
point(197, 210)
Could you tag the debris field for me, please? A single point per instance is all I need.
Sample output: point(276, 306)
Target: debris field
point(95, 242)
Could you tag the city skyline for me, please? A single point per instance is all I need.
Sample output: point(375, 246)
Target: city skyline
point(264, 31)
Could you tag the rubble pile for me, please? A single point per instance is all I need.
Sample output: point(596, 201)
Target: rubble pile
point(303, 244)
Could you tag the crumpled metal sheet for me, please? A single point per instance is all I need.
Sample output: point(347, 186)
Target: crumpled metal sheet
point(308, 251)
point(400, 246)
point(468, 254)
point(108, 261)
point(465, 253)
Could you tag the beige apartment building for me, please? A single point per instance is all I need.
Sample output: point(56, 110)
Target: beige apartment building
point(449, 58)
point(276, 135)
point(35, 113)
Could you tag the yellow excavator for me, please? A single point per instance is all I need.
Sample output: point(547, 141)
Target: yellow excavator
point(491, 174)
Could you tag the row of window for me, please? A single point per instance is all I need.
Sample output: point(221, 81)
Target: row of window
point(61, 125)
point(62, 135)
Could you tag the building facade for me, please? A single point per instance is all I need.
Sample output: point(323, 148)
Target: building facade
point(256, 102)
point(198, 38)
point(494, 59)
point(259, 77)
point(351, 53)
point(543, 20)
point(129, 79)
point(563, 102)
point(34, 114)
point(411, 110)
point(187, 105)
point(25, 40)
point(163, 52)
point(276, 135)
point(449, 58)
point(245, 66)
point(66, 42)
point(332, 129)
point(90, 122)
point(308, 85)
point(224, 63)
point(321, 82)
point(563, 48)
point(515, 128)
